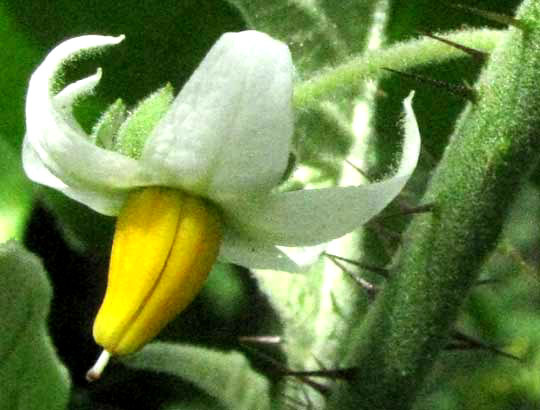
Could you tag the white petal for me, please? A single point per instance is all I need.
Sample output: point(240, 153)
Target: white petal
point(36, 170)
point(106, 202)
point(229, 130)
point(253, 254)
point(59, 143)
point(309, 217)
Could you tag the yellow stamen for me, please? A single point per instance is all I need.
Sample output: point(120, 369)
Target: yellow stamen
point(164, 247)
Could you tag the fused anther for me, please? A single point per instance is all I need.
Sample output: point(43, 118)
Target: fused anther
point(477, 54)
point(492, 16)
point(461, 341)
point(463, 91)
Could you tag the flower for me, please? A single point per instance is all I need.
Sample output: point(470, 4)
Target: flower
point(223, 143)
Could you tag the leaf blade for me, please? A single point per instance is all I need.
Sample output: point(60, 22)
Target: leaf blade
point(223, 376)
point(35, 377)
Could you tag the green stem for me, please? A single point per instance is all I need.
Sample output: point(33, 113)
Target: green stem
point(495, 145)
point(401, 56)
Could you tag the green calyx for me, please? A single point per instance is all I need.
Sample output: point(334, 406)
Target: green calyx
point(124, 132)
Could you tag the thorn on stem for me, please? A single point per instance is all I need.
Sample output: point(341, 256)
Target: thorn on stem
point(281, 369)
point(345, 373)
point(370, 288)
point(360, 171)
point(410, 211)
point(476, 54)
point(462, 91)
point(492, 16)
point(461, 341)
point(375, 269)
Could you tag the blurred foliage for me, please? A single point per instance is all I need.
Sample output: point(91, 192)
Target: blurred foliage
point(165, 40)
point(32, 375)
point(222, 376)
point(15, 195)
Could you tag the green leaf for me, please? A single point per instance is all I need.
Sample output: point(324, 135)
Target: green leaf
point(15, 195)
point(32, 376)
point(227, 377)
point(135, 130)
point(315, 31)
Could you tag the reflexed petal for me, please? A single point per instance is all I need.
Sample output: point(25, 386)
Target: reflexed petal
point(36, 170)
point(253, 254)
point(313, 216)
point(59, 142)
point(229, 130)
point(105, 202)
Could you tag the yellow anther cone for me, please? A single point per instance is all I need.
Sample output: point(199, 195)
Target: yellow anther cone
point(164, 247)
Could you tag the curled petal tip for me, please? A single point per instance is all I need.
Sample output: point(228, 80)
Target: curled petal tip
point(58, 153)
point(313, 216)
point(409, 98)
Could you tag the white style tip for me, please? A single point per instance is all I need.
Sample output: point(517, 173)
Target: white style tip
point(97, 369)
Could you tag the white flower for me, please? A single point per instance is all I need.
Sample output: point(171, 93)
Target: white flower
point(226, 137)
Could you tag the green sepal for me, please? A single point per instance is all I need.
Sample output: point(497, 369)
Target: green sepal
point(135, 130)
point(105, 130)
point(31, 373)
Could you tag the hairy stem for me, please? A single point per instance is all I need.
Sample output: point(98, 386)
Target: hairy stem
point(495, 145)
point(401, 56)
